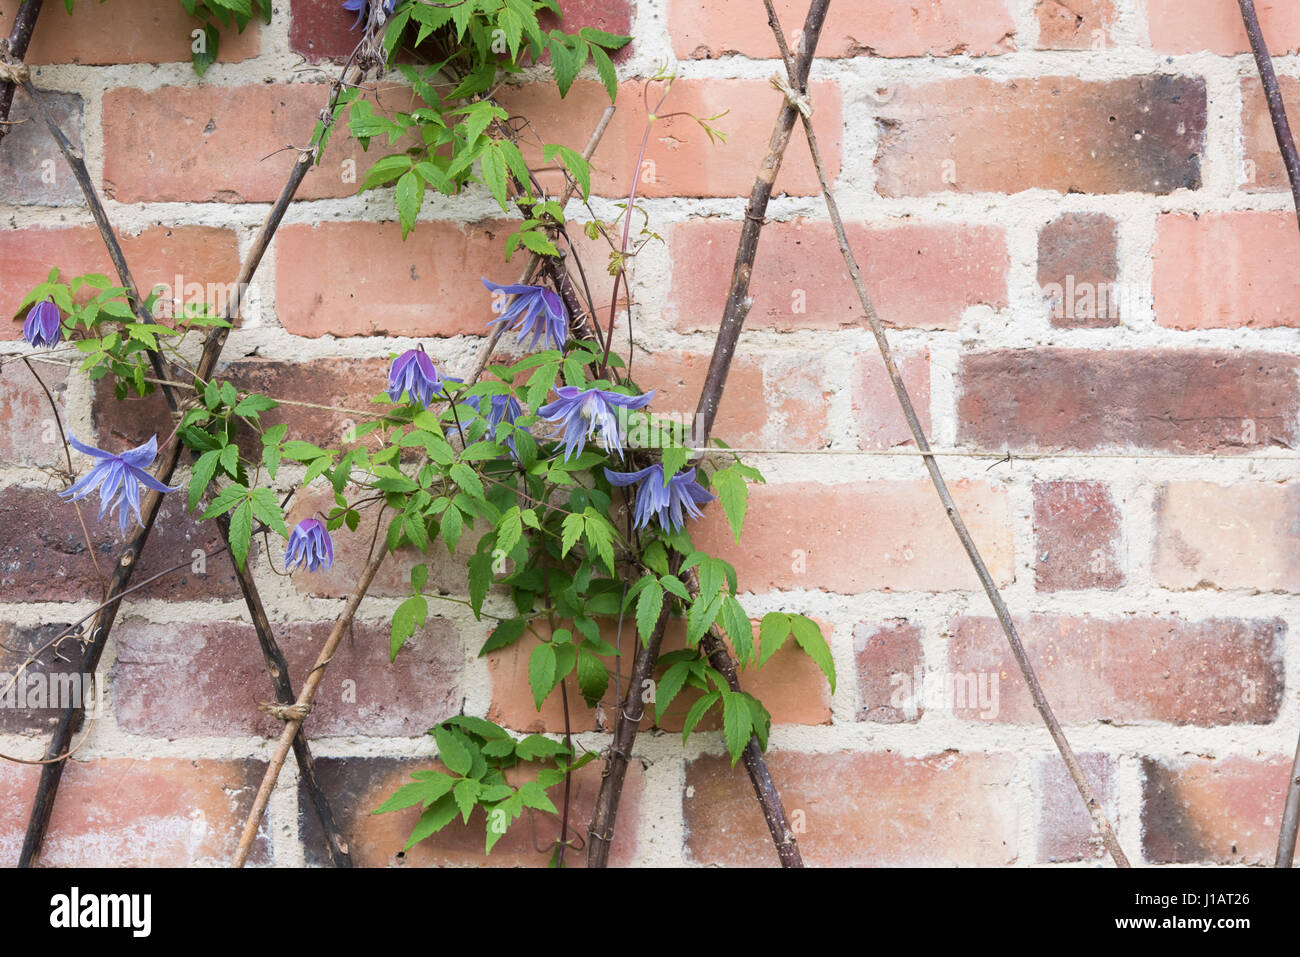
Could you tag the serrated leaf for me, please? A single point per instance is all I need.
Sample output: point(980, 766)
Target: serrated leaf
point(466, 480)
point(648, 608)
point(535, 746)
point(409, 197)
point(452, 751)
point(202, 474)
point(480, 579)
point(701, 615)
point(466, 793)
point(541, 672)
point(409, 614)
point(671, 683)
point(733, 494)
point(493, 167)
point(509, 529)
point(570, 531)
point(697, 712)
point(773, 630)
point(809, 637)
point(433, 820)
point(737, 723)
point(241, 530)
point(739, 630)
point(593, 676)
point(506, 633)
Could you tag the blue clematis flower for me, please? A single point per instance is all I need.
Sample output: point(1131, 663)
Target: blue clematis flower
point(361, 6)
point(535, 309)
point(310, 545)
point(581, 413)
point(501, 408)
point(413, 372)
point(682, 495)
point(42, 327)
point(118, 478)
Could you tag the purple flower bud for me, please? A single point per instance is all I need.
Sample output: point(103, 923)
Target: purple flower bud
point(118, 478)
point(667, 503)
point(581, 413)
point(501, 408)
point(310, 545)
point(42, 327)
point(413, 372)
point(361, 6)
point(534, 309)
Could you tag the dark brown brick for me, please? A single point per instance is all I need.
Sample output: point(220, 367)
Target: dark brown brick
point(31, 701)
point(1193, 401)
point(1078, 269)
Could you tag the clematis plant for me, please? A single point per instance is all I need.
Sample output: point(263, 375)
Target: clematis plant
point(310, 546)
point(582, 413)
point(118, 479)
point(534, 309)
point(43, 328)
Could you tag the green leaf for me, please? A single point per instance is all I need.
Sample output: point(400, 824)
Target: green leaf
point(762, 721)
point(202, 474)
point(268, 511)
point(433, 820)
point(593, 676)
point(605, 67)
point(226, 499)
point(426, 791)
point(737, 723)
point(701, 616)
point(738, 628)
point(809, 637)
point(697, 712)
point(452, 751)
point(493, 166)
point(386, 170)
point(733, 493)
point(648, 607)
point(410, 196)
point(610, 41)
point(600, 535)
point(466, 793)
point(211, 47)
point(541, 672)
point(773, 630)
point(571, 530)
point(480, 576)
point(671, 683)
point(534, 796)
point(253, 404)
point(467, 480)
point(509, 529)
point(410, 614)
point(506, 633)
point(566, 62)
point(241, 530)
point(451, 527)
point(535, 746)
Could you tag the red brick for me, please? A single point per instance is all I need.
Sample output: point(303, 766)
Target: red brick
point(356, 786)
point(447, 572)
point(684, 162)
point(1202, 810)
point(1078, 539)
point(397, 288)
point(1192, 401)
point(857, 28)
point(207, 678)
point(141, 31)
point(212, 144)
point(1065, 828)
point(32, 170)
point(1078, 270)
point(1076, 25)
point(1226, 270)
point(857, 809)
point(923, 274)
point(31, 433)
point(861, 536)
point(1208, 673)
point(1261, 160)
point(789, 684)
point(1235, 536)
point(1189, 26)
point(138, 812)
point(198, 254)
point(1139, 134)
point(771, 402)
point(44, 557)
point(876, 411)
point(888, 657)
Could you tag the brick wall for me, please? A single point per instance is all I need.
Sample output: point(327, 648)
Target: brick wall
point(1073, 217)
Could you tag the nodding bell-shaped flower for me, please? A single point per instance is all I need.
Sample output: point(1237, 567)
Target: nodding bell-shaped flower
point(582, 413)
point(534, 309)
point(682, 495)
point(309, 545)
point(118, 478)
point(42, 327)
point(414, 373)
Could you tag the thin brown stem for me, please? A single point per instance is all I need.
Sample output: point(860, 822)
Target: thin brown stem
point(918, 434)
point(15, 48)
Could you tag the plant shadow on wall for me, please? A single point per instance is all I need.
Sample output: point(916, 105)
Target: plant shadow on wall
point(576, 526)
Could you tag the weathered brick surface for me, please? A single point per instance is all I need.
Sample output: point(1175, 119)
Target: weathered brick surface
point(1226, 270)
point(1206, 811)
point(1078, 542)
point(888, 535)
point(1076, 25)
point(32, 170)
point(141, 31)
point(876, 411)
point(1078, 270)
point(174, 680)
point(31, 433)
point(1140, 134)
point(1238, 536)
point(1190, 26)
point(889, 663)
point(923, 275)
point(1176, 401)
point(858, 809)
point(1262, 167)
point(43, 554)
point(857, 28)
point(1206, 673)
point(1065, 828)
point(356, 786)
point(39, 676)
point(138, 812)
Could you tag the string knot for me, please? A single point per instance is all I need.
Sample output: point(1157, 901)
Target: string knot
point(15, 73)
point(792, 96)
point(286, 712)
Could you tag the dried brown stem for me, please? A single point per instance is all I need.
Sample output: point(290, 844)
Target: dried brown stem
point(918, 434)
point(20, 36)
point(733, 318)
